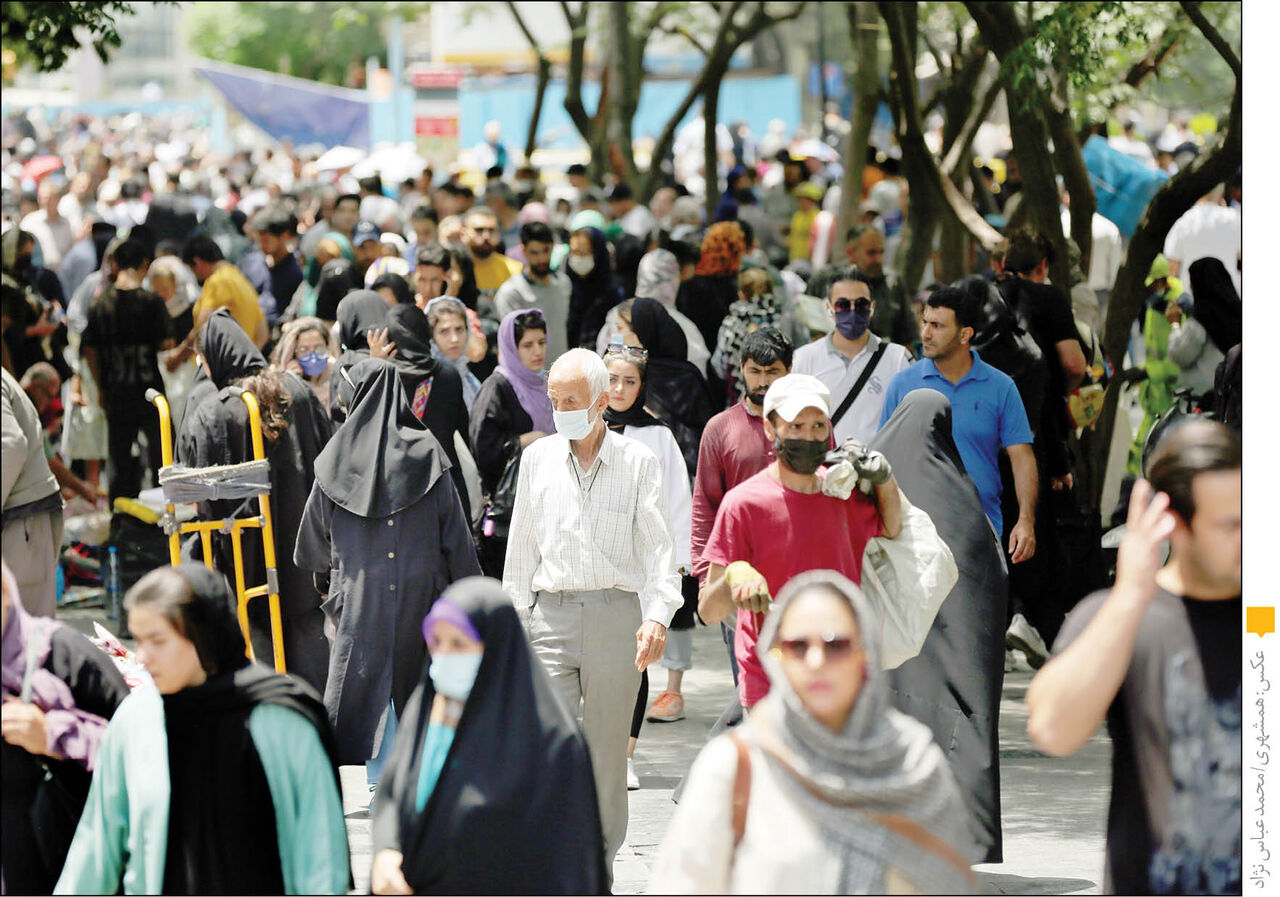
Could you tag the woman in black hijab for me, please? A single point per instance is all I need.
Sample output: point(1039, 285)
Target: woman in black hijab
point(434, 390)
point(337, 279)
point(511, 808)
point(953, 684)
point(1217, 305)
point(385, 530)
point(225, 767)
point(295, 430)
point(594, 290)
point(228, 355)
point(675, 390)
point(361, 313)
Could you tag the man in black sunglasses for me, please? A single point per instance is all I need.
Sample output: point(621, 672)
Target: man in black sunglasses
point(852, 362)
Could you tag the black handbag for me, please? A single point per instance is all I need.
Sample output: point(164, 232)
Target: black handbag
point(495, 522)
point(55, 810)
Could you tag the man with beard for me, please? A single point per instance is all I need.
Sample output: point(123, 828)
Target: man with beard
point(480, 234)
point(537, 286)
point(765, 530)
point(864, 246)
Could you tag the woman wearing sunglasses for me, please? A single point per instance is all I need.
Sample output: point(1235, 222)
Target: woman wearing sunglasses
point(825, 788)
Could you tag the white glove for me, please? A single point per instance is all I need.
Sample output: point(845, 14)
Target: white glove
point(840, 480)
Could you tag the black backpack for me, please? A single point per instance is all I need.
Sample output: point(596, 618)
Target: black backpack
point(1004, 342)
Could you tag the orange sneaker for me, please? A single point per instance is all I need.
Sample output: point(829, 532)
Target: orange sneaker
point(667, 708)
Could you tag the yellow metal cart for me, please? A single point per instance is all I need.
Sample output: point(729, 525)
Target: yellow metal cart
point(212, 477)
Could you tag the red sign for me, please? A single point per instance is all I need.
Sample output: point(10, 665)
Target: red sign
point(435, 78)
point(426, 126)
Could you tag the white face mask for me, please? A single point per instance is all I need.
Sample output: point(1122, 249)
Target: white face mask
point(582, 265)
point(573, 425)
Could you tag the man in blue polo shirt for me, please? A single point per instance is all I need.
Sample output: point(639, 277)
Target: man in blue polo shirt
point(987, 413)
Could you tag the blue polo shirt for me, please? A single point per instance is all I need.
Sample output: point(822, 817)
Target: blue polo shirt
point(987, 414)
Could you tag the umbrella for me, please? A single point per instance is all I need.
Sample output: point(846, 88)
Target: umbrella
point(40, 166)
point(340, 157)
point(395, 163)
point(816, 149)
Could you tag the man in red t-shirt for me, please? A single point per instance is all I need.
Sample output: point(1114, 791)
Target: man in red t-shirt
point(781, 522)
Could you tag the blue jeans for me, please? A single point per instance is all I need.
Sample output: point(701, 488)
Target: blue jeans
point(373, 768)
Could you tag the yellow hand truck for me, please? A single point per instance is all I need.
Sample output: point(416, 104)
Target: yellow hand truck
point(234, 526)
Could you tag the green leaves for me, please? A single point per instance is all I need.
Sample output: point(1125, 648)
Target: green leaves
point(320, 41)
point(43, 35)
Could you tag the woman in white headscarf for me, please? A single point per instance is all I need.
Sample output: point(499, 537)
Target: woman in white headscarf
point(825, 788)
point(658, 277)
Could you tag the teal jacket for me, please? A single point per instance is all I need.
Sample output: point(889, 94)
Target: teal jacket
point(125, 825)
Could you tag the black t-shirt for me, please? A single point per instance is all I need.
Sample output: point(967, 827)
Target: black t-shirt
point(127, 328)
point(1174, 826)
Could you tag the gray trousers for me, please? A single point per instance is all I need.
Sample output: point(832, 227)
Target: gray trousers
point(587, 644)
point(31, 548)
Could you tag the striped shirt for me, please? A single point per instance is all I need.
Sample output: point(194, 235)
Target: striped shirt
point(602, 528)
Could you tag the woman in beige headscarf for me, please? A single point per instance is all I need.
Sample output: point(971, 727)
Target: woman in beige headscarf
point(825, 788)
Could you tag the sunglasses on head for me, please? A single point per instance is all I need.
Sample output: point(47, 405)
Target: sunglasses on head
point(860, 304)
point(531, 319)
point(623, 349)
point(834, 647)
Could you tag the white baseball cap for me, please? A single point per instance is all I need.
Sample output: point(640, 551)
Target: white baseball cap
point(793, 393)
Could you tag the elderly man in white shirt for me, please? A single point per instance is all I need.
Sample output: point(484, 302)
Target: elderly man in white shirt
point(589, 569)
point(852, 357)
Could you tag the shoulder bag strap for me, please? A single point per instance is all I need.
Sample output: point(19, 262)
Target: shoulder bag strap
point(862, 381)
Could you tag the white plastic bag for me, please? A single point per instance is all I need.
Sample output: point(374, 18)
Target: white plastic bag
point(907, 579)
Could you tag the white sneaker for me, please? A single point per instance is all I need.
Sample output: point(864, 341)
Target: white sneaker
point(633, 780)
point(1023, 636)
point(1010, 661)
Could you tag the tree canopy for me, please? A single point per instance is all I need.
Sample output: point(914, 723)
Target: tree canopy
point(43, 35)
point(319, 41)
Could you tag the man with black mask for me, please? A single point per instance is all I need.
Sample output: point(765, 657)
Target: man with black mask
point(772, 527)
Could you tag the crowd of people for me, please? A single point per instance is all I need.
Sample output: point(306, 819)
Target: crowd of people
point(520, 447)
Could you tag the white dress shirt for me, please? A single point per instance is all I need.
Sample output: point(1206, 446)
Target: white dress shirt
point(823, 360)
point(602, 528)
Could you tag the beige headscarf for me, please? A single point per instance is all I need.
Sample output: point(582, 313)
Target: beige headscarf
point(883, 763)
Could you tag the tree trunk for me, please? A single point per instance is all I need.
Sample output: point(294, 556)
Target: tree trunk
point(864, 28)
point(1171, 201)
point(717, 67)
point(531, 139)
point(626, 95)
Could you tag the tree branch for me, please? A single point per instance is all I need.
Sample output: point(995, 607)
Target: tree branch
point(1151, 61)
point(977, 115)
point(1211, 34)
point(528, 35)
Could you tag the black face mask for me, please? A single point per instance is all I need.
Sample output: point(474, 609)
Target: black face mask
point(801, 455)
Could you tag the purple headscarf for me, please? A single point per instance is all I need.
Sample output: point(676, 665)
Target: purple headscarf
point(71, 733)
point(531, 388)
point(446, 611)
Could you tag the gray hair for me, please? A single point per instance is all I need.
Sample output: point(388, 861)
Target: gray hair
point(588, 364)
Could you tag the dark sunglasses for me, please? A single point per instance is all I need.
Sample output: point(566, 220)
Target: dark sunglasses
point(857, 304)
point(834, 647)
point(531, 319)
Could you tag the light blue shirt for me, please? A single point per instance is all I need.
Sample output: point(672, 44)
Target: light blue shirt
point(435, 750)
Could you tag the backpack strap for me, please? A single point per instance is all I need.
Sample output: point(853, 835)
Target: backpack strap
point(741, 788)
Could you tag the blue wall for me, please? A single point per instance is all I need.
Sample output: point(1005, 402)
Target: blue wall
point(509, 100)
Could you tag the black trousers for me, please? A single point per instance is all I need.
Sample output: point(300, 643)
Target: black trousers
point(124, 425)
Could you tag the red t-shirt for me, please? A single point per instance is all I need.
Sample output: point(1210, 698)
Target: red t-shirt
point(783, 533)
